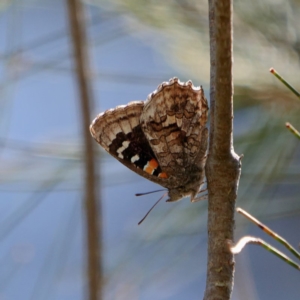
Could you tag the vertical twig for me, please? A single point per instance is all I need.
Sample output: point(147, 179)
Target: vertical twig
point(223, 165)
point(93, 208)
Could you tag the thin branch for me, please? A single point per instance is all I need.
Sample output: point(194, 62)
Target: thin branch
point(236, 249)
point(270, 232)
point(93, 208)
point(292, 129)
point(289, 86)
point(223, 165)
point(221, 77)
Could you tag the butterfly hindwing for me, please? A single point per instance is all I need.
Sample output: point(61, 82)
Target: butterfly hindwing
point(173, 120)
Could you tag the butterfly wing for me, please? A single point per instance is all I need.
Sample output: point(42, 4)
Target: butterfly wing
point(173, 120)
point(119, 132)
point(163, 139)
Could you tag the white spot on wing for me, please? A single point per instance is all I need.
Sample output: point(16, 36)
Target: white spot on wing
point(135, 158)
point(121, 149)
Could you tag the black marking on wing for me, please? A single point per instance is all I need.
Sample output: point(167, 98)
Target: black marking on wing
point(138, 145)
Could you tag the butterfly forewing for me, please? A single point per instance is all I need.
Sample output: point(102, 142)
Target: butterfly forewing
point(119, 132)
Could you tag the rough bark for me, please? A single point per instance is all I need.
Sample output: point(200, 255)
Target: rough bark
point(92, 203)
point(223, 165)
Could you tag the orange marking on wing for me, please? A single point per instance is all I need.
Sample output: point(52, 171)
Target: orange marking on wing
point(151, 166)
point(162, 175)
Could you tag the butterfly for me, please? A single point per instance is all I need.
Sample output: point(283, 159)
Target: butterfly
point(163, 139)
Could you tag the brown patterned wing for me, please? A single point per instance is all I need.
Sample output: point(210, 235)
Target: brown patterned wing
point(174, 119)
point(119, 132)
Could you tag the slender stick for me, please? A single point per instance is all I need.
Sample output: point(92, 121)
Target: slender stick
point(291, 128)
point(274, 72)
point(252, 240)
point(92, 182)
point(223, 164)
point(270, 232)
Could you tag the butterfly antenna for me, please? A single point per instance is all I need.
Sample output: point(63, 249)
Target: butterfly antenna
point(147, 193)
point(164, 195)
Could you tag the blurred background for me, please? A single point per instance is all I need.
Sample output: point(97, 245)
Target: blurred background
point(134, 46)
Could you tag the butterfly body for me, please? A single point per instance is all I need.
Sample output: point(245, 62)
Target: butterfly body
point(163, 139)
